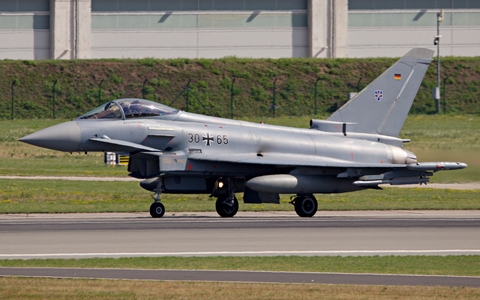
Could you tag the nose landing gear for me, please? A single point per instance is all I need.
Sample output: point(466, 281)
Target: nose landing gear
point(157, 210)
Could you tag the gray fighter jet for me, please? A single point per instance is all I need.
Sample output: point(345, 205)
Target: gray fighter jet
point(178, 152)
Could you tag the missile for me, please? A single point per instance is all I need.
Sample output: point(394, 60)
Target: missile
point(436, 166)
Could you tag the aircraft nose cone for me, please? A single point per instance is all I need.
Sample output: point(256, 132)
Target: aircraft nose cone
point(61, 137)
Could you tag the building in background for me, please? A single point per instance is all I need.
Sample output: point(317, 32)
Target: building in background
point(69, 29)
point(392, 27)
point(25, 29)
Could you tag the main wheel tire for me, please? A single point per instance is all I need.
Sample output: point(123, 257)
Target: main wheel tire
point(306, 206)
point(226, 208)
point(157, 210)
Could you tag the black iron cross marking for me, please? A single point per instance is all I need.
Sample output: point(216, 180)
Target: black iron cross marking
point(207, 139)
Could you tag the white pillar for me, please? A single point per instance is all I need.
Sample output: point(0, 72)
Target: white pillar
point(340, 32)
point(317, 28)
point(84, 28)
point(70, 27)
point(328, 28)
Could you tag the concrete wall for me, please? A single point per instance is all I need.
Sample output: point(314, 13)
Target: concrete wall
point(195, 43)
point(394, 42)
point(70, 29)
point(193, 29)
point(387, 33)
point(200, 29)
point(24, 44)
point(24, 29)
point(199, 43)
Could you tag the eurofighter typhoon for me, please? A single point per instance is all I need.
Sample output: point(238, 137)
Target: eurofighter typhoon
point(174, 151)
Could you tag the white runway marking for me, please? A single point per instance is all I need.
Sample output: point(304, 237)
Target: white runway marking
point(247, 253)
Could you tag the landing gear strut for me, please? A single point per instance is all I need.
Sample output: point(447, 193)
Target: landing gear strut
point(305, 205)
point(157, 210)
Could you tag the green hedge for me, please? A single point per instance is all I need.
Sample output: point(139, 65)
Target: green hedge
point(78, 88)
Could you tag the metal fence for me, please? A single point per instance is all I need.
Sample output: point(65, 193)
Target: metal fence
point(271, 100)
point(230, 94)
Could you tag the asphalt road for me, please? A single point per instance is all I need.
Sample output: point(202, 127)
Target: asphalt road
point(206, 234)
point(245, 276)
point(248, 234)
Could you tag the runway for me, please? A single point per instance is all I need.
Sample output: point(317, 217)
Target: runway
point(247, 234)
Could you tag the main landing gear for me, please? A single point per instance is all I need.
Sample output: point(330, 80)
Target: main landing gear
point(305, 205)
point(227, 206)
point(227, 203)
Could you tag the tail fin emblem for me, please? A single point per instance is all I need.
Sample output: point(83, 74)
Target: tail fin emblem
point(378, 95)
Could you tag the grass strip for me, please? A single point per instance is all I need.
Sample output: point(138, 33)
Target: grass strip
point(62, 196)
point(51, 288)
point(90, 165)
point(467, 265)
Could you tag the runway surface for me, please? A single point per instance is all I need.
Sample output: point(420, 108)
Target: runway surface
point(247, 234)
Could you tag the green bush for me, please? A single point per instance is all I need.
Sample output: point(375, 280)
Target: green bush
point(77, 89)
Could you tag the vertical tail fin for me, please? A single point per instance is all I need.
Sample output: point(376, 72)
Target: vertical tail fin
point(383, 105)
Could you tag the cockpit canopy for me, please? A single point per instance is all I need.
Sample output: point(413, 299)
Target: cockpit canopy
point(128, 109)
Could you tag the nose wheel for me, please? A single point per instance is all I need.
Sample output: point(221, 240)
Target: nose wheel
point(157, 210)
